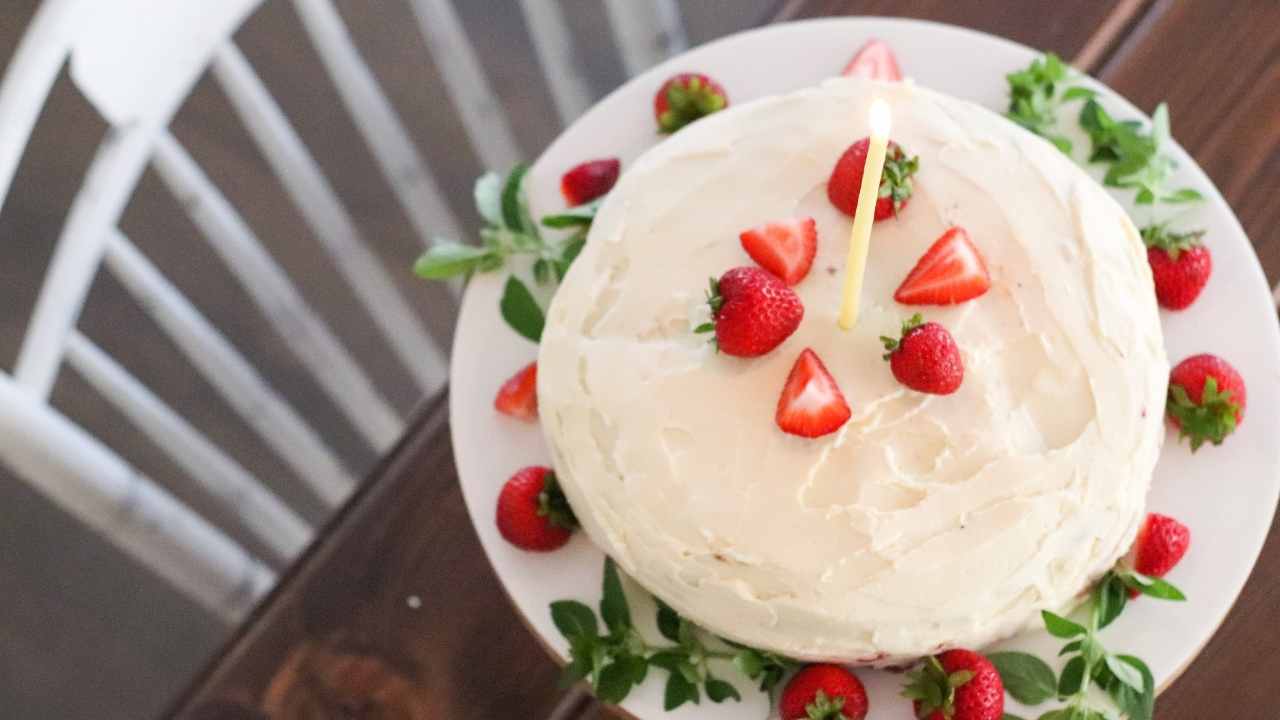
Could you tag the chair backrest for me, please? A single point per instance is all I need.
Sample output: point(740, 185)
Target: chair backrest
point(137, 74)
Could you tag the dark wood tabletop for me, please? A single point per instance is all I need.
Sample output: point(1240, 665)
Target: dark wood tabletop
point(395, 613)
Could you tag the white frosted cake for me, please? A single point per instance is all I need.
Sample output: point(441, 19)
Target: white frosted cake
point(925, 521)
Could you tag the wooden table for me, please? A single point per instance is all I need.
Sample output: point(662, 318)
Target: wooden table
point(395, 613)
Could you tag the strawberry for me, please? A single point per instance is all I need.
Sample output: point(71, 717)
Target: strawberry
point(874, 61)
point(533, 513)
point(518, 396)
point(589, 180)
point(686, 97)
point(1161, 543)
point(823, 692)
point(951, 271)
point(956, 685)
point(1180, 265)
point(785, 248)
point(811, 404)
point(925, 358)
point(1206, 399)
point(895, 180)
point(753, 312)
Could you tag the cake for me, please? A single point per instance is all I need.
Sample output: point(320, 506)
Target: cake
point(925, 522)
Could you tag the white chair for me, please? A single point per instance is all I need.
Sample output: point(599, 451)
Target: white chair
point(136, 75)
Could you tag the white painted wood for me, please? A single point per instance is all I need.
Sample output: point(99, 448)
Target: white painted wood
point(94, 485)
point(137, 60)
point(482, 115)
point(32, 70)
point(328, 219)
point(220, 477)
point(270, 288)
point(257, 403)
point(554, 47)
point(410, 178)
point(646, 32)
point(107, 186)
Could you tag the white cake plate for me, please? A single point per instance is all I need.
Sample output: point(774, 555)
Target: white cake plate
point(1227, 495)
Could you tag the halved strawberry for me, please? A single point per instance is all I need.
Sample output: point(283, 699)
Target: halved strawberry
point(951, 271)
point(518, 396)
point(783, 247)
point(587, 181)
point(811, 404)
point(875, 61)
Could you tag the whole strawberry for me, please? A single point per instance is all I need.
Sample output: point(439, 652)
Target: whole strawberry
point(895, 180)
point(1180, 265)
point(956, 685)
point(687, 97)
point(518, 396)
point(823, 692)
point(925, 358)
point(533, 513)
point(752, 311)
point(589, 180)
point(1161, 543)
point(1206, 399)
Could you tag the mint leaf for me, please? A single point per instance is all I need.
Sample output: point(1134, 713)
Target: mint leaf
point(1109, 599)
point(1158, 588)
point(678, 692)
point(521, 311)
point(1135, 704)
point(615, 682)
point(1060, 714)
point(568, 253)
point(1072, 677)
point(668, 622)
point(749, 663)
point(1027, 678)
point(613, 605)
point(1061, 627)
point(574, 620)
point(448, 259)
point(1124, 672)
point(580, 216)
point(1010, 716)
point(719, 690)
point(488, 196)
point(1182, 196)
point(1071, 647)
point(515, 210)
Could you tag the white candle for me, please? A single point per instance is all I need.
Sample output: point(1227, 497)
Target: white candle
point(860, 236)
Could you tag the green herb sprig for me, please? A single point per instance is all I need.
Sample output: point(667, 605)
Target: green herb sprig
point(1037, 93)
point(1126, 679)
point(510, 231)
point(616, 658)
point(1135, 158)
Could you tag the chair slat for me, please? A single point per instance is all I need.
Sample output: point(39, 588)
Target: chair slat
point(554, 46)
point(481, 113)
point(274, 293)
point(646, 32)
point(257, 403)
point(414, 185)
point(329, 221)
point(97, 206)
point(94, 485)
point(222, 478)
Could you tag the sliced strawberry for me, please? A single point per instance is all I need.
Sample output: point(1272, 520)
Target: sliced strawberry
point(875, 61)
point(785, 248)
point(587, 181)
point(518, 396)
point(811, 404)
point(951, 271)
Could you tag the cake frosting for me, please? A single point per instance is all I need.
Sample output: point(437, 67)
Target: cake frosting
point(925, 522)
